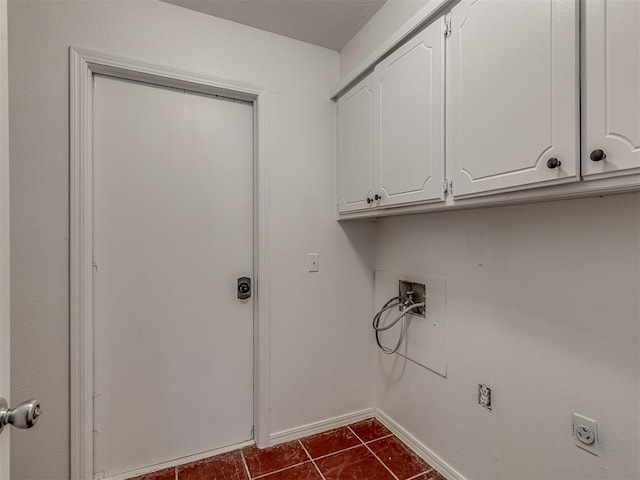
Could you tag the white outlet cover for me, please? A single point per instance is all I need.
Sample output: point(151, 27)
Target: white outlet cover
point(580, 421)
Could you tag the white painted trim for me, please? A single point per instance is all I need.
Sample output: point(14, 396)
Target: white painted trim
point(426, 15)
point(262, 269)
point(319, 427)
point(81, 333)
point(418, 447)
point(83, 64)
point(178, 462)
point(5, 238)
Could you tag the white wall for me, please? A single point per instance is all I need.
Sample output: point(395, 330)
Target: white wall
point(391, 16)
point(320, 342)
point(543, 306)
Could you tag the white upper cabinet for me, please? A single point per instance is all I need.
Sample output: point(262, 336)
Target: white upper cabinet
point(611, 88)
point(409, 121)
point(355, 148)
point(512, 101)
point(507, 72)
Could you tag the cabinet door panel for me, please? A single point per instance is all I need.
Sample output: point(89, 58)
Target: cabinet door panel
point(513, 90)
point(409, 120)
point(611, 98)
point(355, 147)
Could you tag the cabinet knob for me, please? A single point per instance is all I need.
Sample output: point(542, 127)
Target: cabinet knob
point(597, 155)
point(377, 197)
point(553, 163)
point(369, 200)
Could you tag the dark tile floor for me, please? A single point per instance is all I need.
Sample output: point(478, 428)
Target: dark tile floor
point(362, 451)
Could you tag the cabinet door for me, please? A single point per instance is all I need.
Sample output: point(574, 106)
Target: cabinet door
point(513, 95)
point(611, 88)
point(355, 147)
point(409, 121)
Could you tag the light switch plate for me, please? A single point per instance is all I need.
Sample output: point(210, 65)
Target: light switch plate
point(313, 262)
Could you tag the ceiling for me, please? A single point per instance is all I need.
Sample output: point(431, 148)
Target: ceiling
point(328, 23)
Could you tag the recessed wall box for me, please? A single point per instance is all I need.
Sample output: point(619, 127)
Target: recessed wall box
point(416, 292)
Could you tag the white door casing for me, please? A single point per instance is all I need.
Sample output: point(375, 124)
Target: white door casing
point(512, 100)
point(611, 97)
point(355, 147)
point(172, 221)
point(409, 120)
point(83, 65)
point(5, 322)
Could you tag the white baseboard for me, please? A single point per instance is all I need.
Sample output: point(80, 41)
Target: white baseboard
point(417, 446)
point(319, 427)
point(177, 462)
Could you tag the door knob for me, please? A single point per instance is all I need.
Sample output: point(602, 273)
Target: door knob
point(553, 163)
point(24, 415)
point(597, 155)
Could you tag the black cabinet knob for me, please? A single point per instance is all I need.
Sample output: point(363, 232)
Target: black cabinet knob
point(553, 163)
point(598, 155)
point(377, 197)
point(369, 200)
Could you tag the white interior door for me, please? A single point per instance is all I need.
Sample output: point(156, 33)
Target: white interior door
point(173, 230)
point(5, 371)
point(611, 97)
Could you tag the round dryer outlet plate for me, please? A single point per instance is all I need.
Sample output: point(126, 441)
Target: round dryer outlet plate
point(585, 433)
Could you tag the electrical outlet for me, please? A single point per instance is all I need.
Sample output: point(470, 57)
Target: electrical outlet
point(484, 396)
point(585, 433)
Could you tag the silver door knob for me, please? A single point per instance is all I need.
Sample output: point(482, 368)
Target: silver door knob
point(24, 415)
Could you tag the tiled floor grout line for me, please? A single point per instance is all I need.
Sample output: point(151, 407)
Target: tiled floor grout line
point(376, 439)
point(312, 460)
point(244, 462)
point(278, 471)
point(421, 473)
point(372, 453)
point(336, 452)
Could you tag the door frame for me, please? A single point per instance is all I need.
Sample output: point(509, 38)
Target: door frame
point(83, 64)
point(5, 312)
